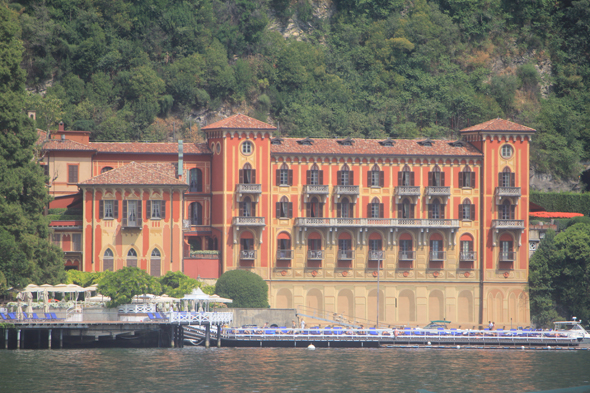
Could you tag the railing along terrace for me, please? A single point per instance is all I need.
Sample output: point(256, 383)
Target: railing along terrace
point(508, 191)
point(507, 256)
point(346, 190)
point(252, 221)
point(316, 189)
point(248, 254)
point(284, 254)
point(345, 255)
point(437, 255)
point(377, 222)
point(249, 188)
point(137, 308)
point(213, 318)
point(407, 255)
point(407, 190)
point(315, 254)
point(468, 255)
point(508, 224)
point(438, 191)
point(375, 255)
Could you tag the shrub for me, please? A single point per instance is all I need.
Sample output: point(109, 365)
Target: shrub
point(125, 283)
point(246, 289)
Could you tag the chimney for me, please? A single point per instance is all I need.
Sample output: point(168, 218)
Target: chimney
point(32, 115)
point(61, 126)
point(180, 157)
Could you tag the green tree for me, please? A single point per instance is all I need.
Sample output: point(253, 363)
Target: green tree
point(541, 275)
point(125, 283)
point(25, 253)
point(178, 284)
point(246, 289)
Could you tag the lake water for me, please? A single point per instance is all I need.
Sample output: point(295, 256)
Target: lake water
point(196, 369)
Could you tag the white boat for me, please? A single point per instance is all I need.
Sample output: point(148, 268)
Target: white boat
point(573, 329)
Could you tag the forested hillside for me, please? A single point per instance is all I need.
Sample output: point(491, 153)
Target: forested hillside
point(130, 69)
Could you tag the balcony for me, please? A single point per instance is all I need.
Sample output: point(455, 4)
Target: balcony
point(508, 224)
point(437, 255)
point(284, 254)
point(249, 221)
point(468, 256)
point(376, 222)
point(315, 255)
point(345, 255)
point(407, 255)
point(375, 255)
point(402, 191)
point(248, 255)
point(316, 189)
point(507, 256)
point(249, 189)
point(508, 192)
point(131, 224)
point(438, 191)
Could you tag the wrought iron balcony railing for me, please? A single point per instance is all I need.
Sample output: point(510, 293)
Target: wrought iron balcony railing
point(284, 254)
point(377, 222)
point(438, 191)
point(345, 255)
point(248, 255)
point(346, 190)
point(468, 256)
point(316, 189)
point(375, 255)
point(437, 255)
point(249, 221)
point(315, 254)
point(407, 191)
point(407, 255)
point(249, 188)
point(508, 191)
point(507, 256)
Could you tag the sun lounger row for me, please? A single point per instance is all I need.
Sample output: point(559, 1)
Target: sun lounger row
point(12, 316)
point(156, 316)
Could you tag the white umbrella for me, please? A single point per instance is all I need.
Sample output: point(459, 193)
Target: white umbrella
point(29, 297)
point(219, 299)
point(19, 310)
point(45, 302)
point(98, 299)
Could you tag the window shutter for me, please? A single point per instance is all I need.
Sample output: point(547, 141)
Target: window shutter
point(253, 171)
point(500, 180)
point(290, 177)
point(369, 210)
point(381, 215)
point(338, 178)
point(148, 210)
point(290, 213)
point(308, 209)
point(351, 177)
point(321, 178)
point(412, 207)
point(241, 171)
point(101, 209)
point(278, 177)
point(321, 210)
point(163, 209)
point(369, 178)
point(461, 211)
point(382, 179)
point(431, 245)
point(400, 211)
point(510, 246)
point(472, 183)
point(241, 209)
point(430, 179)
point(308, 177)
point(400, 181)
point(139, 212)
point(442, 179)
point(125, 211)
point(254, 209)
point(278, 209)
point(116, 209)
point(411, 178)
point(430, 206)
point(512, 179)
point(472, 211)
point(442, 211)
point(461, 175)
point(338, 210)
point(512, 211)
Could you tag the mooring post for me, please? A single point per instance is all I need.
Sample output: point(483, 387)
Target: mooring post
point(173, 336)
point(207, 335)
point(39, 339)
point(5, 338)
point(18, 339)
point(61, 338)
point(181, 341)
point(49, 339)
point(218, 336)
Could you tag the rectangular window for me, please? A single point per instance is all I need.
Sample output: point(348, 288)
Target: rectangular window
point(132, 213)
point(375, 245)
point(108, 210)
point(376, 178)
point(314, 244)
point(466, 211)
point(72, 173)
point(344, 178)
point(77, 242)
point(156, 210)
point(405, 245)
point(314, 178)
point(284, 177)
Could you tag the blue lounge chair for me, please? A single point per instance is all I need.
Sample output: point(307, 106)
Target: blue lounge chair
point(160, 316)
point(48, 316)
point(338, 330)
point(270, 331)
point(53, 316)
point(373, 332)
point(327, 332)
point(12, 316)
point(151, 316)
point(34, 317)
point(4, 317)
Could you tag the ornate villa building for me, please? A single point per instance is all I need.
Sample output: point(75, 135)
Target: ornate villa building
point(403, 231)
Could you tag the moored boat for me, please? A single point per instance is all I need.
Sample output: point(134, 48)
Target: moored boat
point(572, 329)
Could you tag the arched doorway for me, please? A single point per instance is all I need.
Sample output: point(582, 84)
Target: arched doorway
point(406, 306)
point(436, 305)
point(284, 298)
point(345, 304)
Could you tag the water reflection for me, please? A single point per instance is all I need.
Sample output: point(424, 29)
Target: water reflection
point(292, 369)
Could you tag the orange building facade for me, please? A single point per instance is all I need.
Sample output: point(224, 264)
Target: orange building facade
point(400, 231)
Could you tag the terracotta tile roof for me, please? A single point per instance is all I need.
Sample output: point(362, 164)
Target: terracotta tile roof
point(498, 125)
point(66, 144)
point(41, 135)
point(239, 121)
point(138, 174)
point(401, 147)
point(149, 147)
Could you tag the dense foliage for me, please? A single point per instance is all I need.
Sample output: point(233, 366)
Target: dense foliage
point(562, 201)
point(177, 284)
point(246, 289)
point(560, 276)
point(25, 253)
point(399, 68)
point(125, 283)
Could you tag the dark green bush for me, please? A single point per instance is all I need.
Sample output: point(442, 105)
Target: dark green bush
point(246, 289)
point(569, 202)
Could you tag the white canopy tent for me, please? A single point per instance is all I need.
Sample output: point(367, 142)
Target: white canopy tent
point(200, 299)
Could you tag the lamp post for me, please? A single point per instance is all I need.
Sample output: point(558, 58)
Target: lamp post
point(378, 266)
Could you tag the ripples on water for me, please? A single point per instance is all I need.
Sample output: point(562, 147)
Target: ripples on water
point(196, 369)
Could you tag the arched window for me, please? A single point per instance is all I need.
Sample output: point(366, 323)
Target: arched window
point(195, 180)
point(466, 178)
point(284, 176)
point(344, 208)
point(345, 176)
point(315, 176)
point(436, 210)
point(376, 177)
point(314, 208)
point(284, 208)
point(247, 252)
point(247, 208)
point(155, 263)
point(405, 177)
point(507, 210)
point(315, 254)
point(247, 174)
point(467, 210)
point(375, 209)
point(108, 260)
point(405, 209)
point(466, 254)
point(132, 258)
point(284, 251)
point(507, 254)
point(106, 169)
point(507, 178)
point(196, 210)
point(436, 178)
